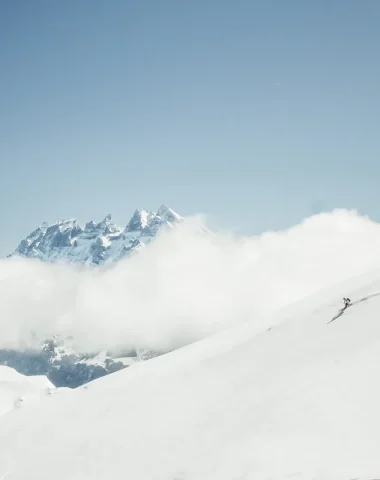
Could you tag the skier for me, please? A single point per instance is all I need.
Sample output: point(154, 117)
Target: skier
point(347, 302)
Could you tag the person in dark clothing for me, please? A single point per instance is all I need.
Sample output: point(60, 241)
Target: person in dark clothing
point(347, 302)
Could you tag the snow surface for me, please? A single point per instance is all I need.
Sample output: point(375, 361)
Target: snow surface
point(17, 390)
point(299, 399)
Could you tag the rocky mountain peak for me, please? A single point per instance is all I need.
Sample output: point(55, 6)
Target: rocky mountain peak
point(96, 243)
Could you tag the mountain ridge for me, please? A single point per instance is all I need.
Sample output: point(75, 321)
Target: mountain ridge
point(66, 241)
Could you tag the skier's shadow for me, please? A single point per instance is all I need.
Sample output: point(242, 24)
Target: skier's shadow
point(339, 314)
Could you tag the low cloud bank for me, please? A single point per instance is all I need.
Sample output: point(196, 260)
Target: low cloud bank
point(184, 286)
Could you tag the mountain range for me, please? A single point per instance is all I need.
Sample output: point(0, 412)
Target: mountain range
point(66, 241)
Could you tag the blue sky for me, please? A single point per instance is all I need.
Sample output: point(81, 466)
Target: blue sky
point(257, 113)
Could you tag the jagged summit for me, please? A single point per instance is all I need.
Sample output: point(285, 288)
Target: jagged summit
point(139, 221)
point(97, 243)
point(108, 225)
point(149, 223)
point(168, 214)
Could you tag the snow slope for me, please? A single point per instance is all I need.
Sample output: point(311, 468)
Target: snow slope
point(17, 390)
point(299, 399)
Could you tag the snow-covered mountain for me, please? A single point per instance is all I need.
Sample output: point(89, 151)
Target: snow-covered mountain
point(297, 399)
point(96, 243)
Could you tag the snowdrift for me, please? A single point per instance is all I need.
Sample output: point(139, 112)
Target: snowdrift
point(299, 399)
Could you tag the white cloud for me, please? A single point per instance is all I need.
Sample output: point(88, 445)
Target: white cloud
point(185, 285)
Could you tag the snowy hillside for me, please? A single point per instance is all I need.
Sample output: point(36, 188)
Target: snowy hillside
point(298, 399)
point(16, 390)
point(96, 243)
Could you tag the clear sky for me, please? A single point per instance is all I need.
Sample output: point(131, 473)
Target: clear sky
point(257, 113)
